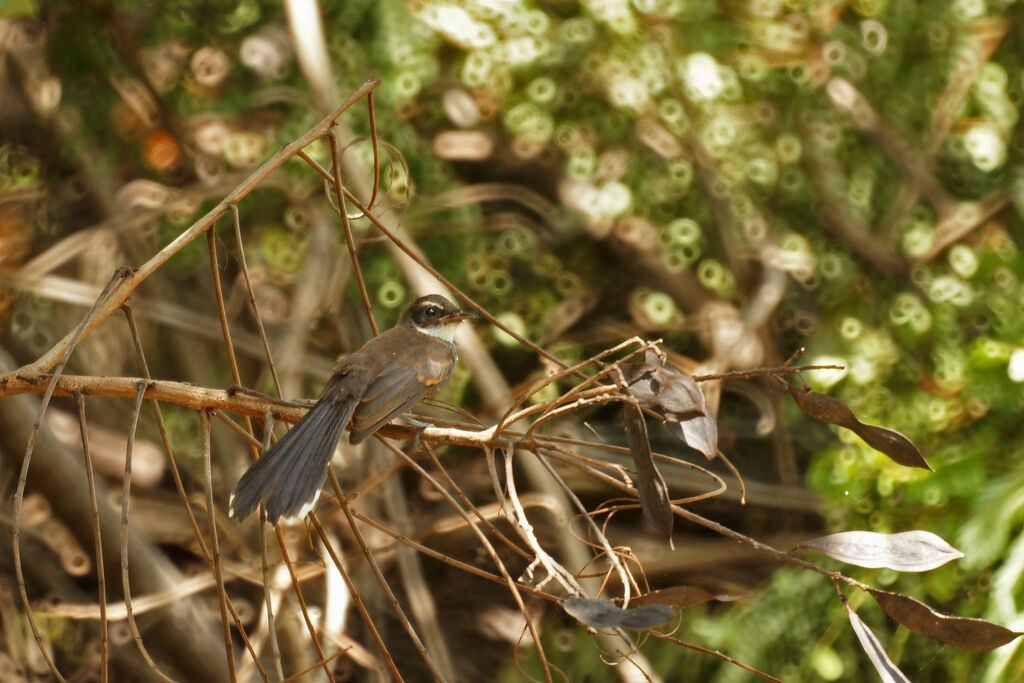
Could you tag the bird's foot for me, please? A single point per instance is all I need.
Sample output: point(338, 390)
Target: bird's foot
point(420, 425)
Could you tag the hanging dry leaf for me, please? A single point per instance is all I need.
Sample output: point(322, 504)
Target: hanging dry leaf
point(700, 433)
point(676, 397)
point(833, 411)
point(681, 597)
point(908, 551)
point(965, 632)
point(650, 486)
point(892, 443)
point(606, 614)
point(888, 671)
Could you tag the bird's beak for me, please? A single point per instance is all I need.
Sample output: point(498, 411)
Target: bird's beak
point(462, 315)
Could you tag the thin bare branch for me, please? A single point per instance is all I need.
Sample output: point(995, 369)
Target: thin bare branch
point(19, 495)
point(356, 600)
point(252, 298)
point(125, 498)
point(97, 535)
point(339, 189)
point(176, 476)
point(129, 279)
point(204, 419)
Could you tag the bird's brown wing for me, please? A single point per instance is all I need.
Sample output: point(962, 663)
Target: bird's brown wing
point(398, 387)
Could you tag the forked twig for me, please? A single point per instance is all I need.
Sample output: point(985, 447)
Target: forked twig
point(357, 601)
point(176, 475)
point(19, 495)
point(488, 546)
point(127, 280)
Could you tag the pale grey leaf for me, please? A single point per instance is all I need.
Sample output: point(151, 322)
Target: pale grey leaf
point(606, 614)
point(907, 551)
point(889, 672)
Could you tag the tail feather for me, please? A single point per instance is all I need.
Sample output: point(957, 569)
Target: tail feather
point(289, 475)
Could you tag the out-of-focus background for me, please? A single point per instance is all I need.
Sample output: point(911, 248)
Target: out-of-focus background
point(741, 179)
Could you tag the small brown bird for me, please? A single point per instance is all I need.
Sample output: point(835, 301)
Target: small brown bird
point(369, 387)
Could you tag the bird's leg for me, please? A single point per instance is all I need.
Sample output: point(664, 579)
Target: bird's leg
point(420, 425)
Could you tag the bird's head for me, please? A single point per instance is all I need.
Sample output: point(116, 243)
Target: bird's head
point(434, 315)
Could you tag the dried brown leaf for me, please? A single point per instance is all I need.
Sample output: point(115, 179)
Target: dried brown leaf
point(964, 632)
point(650, 486)
point(823, 408)
point(833, 411)
point(664, 389)
point(676, 397)
point(894, 444)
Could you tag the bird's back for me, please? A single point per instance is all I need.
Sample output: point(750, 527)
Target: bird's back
point(397, 369)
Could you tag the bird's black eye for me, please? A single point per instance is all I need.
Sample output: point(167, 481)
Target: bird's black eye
point(432, 311)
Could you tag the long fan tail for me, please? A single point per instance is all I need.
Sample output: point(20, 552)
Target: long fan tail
point(289, 476)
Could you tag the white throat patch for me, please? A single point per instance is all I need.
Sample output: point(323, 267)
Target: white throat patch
point(442, 332)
